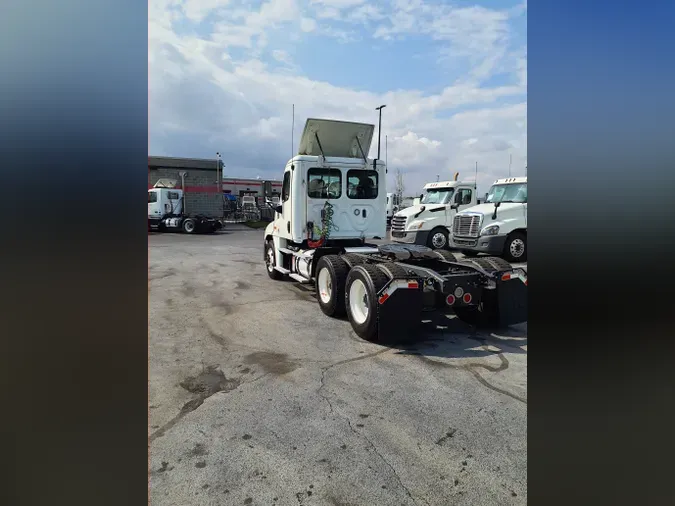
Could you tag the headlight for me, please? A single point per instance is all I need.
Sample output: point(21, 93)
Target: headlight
point(491, 230)
point(416, 225)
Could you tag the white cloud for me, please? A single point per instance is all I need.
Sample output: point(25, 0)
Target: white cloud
point(307, 24)
point(197, 10)
point(282, 56)
point(202, 99)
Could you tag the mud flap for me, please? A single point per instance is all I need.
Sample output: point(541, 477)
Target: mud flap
point(509, 300)
point(399, 311)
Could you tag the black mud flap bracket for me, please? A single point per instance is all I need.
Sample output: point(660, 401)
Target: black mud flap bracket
point(399, 309)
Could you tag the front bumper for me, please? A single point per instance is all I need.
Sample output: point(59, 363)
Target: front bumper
point(417, 237)
point(490, 244)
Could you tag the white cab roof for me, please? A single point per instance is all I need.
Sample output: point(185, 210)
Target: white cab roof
point(337, 138)
point(510, 180)
point(442, 184)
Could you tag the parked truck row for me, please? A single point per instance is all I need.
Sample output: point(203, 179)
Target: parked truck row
point(449, 216)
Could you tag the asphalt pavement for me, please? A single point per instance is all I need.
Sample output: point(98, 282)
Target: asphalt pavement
point(257, 398)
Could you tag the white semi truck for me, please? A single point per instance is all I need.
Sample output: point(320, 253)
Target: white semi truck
point(499, 225)
point(166, 211)
point(332, 203)
point(393, 205)
point(429, 223)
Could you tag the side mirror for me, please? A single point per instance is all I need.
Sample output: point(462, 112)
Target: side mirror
point(278, 209)
point(454, 206)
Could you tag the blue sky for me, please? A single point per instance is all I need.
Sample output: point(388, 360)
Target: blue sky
point(224, 75)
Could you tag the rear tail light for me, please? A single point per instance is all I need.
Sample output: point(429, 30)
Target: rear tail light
point(506, 277)
point(450, 300)
point(467, 298)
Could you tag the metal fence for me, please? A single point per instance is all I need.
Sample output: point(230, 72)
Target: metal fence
point(235, 212)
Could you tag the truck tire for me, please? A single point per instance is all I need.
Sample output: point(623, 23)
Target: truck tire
point(188, 226)
point(438, 238)
point(353, 260)
point(363, 284)
point(331, 276)
point(446, 255)
point(515, 249)
point(499, 263)
point(484, 264)
point(393, 271)
point(270, 262)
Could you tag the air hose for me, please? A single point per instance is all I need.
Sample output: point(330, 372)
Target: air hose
point(326, 226)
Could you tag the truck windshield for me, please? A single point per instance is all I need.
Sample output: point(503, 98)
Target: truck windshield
point(442, 196)
point(516, 192)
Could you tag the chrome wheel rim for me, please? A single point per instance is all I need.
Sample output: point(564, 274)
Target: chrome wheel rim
point(517, 248)
point(270, 259)
point(438, 240)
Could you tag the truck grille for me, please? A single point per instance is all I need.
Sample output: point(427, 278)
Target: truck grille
point(398, 223)
point(466, 225)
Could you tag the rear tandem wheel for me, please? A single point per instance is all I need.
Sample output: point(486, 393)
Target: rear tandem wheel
point(363, 284)
point(331, 275)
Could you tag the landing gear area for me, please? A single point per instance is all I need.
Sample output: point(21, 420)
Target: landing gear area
point(385, 291)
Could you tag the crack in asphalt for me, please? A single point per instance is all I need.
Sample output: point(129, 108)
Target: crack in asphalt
point(349, 422)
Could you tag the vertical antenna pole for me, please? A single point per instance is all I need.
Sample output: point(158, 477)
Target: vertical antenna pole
point(379, 130)
point(475, 181)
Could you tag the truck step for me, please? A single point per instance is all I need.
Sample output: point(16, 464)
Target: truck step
point(282, 270)
point(298, 278)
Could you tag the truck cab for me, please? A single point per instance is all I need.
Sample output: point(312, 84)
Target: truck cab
point(330, 189)
point(163, 201)
point(499, 225)
point(429, 222)
point(393, 205)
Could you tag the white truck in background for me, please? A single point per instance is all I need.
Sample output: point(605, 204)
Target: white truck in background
point(498, 226)
point(393, 205)
point(429, 223)
point(167, 211)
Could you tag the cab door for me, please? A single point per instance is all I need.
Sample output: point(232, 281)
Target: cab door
point(282, 220)
point(464, 198)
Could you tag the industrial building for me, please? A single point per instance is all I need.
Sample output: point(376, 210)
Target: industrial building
point(202, 195)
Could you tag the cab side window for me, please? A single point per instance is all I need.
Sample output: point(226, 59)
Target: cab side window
point(463, 197)
point(286, 186)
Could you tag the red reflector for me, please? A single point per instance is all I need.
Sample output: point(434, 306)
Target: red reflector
point(467, 298)
point(413, 284)
point(384, 298)
point(526, 282)
point(450, 300)
point(506, 277)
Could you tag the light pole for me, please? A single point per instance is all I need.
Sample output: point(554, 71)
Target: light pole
point(379, 130)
